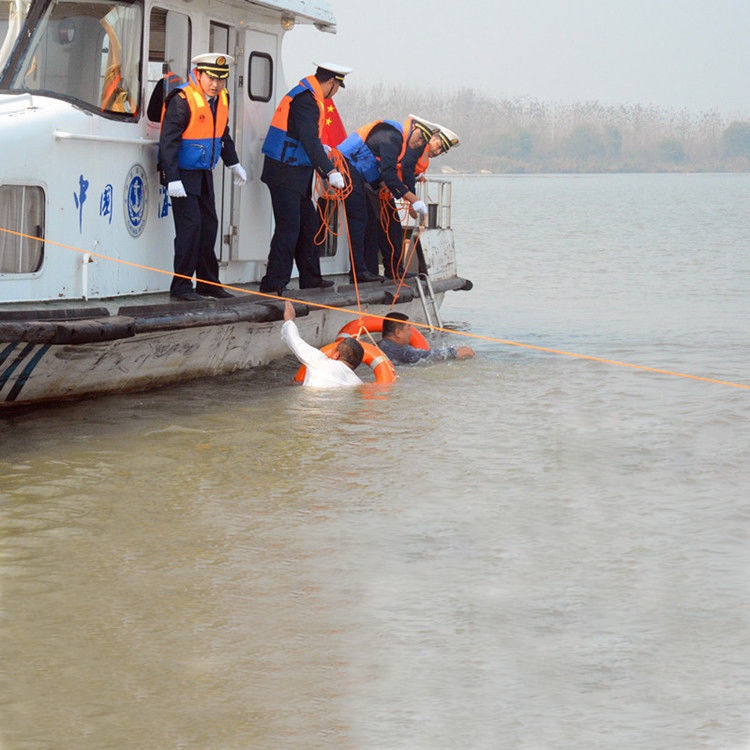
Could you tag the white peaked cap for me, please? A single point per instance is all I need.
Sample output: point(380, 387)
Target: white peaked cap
point(448, 137)
point(424, 121)
point(215, 63)
point(427, 128)
point(337, 71)
point(340, 70)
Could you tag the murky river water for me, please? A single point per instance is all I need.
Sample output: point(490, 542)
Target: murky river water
point(525, 550)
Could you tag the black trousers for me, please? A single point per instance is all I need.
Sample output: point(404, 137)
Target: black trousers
point(366, 234)
point(297, 222)
point(195, 224)
point(360, 218)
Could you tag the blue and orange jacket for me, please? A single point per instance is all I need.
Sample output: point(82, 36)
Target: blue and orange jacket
point(279, 144)
point(201, 139)
point(355, 149)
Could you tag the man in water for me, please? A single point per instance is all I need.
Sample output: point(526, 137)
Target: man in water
point(395, 344)
point(321, 370)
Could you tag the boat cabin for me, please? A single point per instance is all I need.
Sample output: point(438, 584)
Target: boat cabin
point(82, 212)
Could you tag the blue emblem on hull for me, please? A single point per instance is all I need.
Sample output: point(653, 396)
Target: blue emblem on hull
point(136, 200)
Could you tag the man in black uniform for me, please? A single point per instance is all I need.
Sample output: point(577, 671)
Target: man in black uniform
point(293, 152)
point(194, 134)
point(373, 153)
point(412, 166)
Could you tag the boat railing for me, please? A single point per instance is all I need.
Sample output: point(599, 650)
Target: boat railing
point(437, 195)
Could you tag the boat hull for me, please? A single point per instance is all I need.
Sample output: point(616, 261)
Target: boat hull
point(152, 345)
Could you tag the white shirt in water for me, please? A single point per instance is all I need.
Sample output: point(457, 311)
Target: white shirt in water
point(321, 371)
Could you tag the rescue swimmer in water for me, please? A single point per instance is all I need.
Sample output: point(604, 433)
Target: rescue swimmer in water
point(329, 369)
point(398, 343)
point(316, 371)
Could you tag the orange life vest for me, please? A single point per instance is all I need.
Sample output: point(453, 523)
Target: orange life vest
point(279, 144)
point(372, 324)
point(378, 362)
point(201, 140)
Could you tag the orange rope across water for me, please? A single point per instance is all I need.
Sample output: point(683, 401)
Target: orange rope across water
point(358, 313)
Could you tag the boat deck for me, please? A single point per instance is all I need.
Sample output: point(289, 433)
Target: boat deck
point(82, 321)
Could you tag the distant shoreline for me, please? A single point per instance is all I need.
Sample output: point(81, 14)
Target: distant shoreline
point(447, 172)
point(520, 136)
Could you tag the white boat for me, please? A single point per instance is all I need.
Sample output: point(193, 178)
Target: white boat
point(86, 232)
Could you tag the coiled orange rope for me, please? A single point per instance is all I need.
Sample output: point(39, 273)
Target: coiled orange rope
point(331, 198)
point(391, 210)
point(334, 201)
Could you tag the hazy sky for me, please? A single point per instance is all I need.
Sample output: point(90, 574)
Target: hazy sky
point(692, 54)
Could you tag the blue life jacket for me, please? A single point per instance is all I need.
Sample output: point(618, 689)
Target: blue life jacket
point(279, 144)
point(359, 155)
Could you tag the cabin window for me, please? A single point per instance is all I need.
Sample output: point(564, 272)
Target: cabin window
point(218, 37)
point(87, 52)
point(260, 76)
point(12, 20)
point(22, 211)
point(8, 34)
point(169, 45)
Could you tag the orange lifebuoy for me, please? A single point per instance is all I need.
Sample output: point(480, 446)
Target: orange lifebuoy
point(372, 324)
point(378, 362)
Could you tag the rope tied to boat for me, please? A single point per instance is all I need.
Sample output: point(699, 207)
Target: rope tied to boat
point(332, 203)
point(400, 211)
point(358, 314)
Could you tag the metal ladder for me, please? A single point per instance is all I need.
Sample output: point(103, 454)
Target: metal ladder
point(428, 300)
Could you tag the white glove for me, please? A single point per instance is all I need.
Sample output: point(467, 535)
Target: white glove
point(176, 189)
point(327, 149)
point(420, 207)
point(240, 176)
point(336, 180)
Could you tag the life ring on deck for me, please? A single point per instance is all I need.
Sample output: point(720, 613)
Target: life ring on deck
point(372, 324)
point(378, 362)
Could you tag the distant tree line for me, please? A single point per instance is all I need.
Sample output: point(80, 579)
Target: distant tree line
point(526, 136)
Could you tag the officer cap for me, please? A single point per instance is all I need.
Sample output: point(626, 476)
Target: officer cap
point(427, 128)
point(328, 70)
point(214, 64)
point(447, 137)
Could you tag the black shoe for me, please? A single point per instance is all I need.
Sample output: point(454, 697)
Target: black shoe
point(187, 296)
point(214, 291)
point(280, 291)
point(363, 277)
point(322, 284)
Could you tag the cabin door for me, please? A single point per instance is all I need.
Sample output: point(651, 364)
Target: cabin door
point(255, 99)
point(219, 42)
